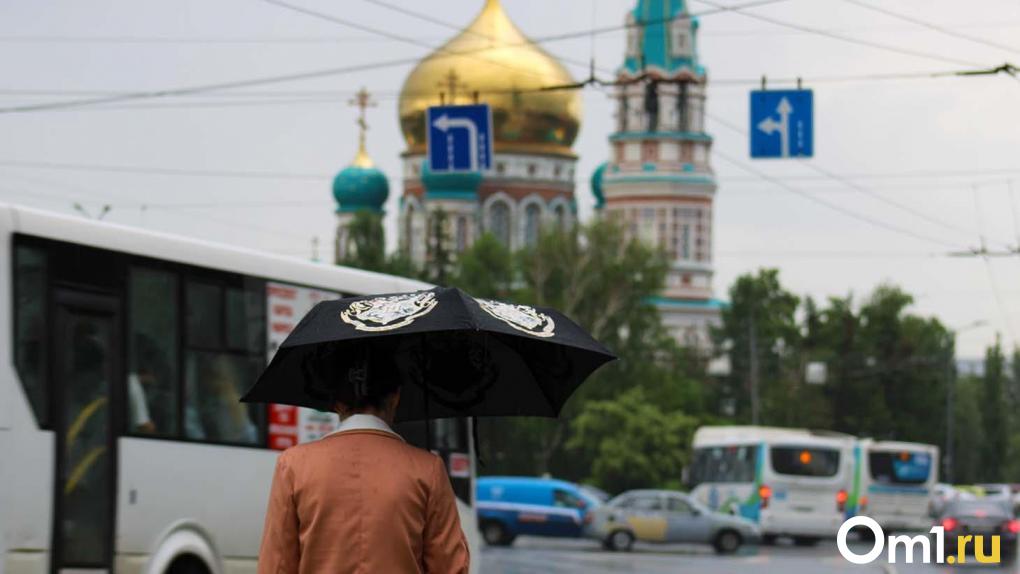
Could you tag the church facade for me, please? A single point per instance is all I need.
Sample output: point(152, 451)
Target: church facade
point(658, 181)
point(531, 182)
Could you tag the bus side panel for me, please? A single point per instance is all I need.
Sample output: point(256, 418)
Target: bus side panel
point(221, 490)
point(26, 492)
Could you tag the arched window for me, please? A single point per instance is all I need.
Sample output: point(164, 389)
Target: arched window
point(532, 224)
point(462, 233)
point(499, 222)
point(561, 217)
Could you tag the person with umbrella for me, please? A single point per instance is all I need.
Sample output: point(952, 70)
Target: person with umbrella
point(362, 500)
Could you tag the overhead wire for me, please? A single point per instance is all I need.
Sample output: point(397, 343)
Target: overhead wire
point(932, 26)
point(830, 205)
point(844, 38)
point(993, 281)
point(857, 187)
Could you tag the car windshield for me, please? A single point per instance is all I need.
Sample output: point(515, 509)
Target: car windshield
point(977, 508)
point(805, 461)
point(900, 467)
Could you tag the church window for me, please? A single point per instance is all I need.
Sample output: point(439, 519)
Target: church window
point(621, 117)
point(500, 167)
point(652, 105)
point(558, 170)
point(499, 222)
point(462, 233)
point(683, 114)
point(561, 217)
point(680, 38)
point(685, 242)
point(532, 224)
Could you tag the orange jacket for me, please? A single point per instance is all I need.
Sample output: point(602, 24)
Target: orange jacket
point(361, 501)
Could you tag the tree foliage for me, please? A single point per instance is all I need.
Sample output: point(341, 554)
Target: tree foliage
point(632, 442)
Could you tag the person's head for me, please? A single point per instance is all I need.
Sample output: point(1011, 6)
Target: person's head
point(356, 378)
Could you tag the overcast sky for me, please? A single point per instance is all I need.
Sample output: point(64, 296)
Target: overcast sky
point(922, 164)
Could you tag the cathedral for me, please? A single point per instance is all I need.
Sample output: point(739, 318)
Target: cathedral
point(657, 181)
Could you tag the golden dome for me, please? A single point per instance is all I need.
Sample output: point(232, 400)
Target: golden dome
point(493, 58)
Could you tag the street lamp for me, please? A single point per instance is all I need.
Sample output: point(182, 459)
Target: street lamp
point(947, 459)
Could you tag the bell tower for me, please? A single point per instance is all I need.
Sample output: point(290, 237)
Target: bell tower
point(658, 181)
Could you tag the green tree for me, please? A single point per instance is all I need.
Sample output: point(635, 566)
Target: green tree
point(995, 436)
point(967, 465)
point(366, 242)
point(760, 333)
point(486, 269)
point(633, 443)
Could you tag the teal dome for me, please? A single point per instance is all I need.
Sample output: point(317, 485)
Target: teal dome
point(360, 187)
point(596, 185)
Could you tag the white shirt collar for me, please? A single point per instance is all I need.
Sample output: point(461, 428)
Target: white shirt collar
point(365, 422)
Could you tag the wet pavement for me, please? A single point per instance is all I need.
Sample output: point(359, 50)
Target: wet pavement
point(533, 555)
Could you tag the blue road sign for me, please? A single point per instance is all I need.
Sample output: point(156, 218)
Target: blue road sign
point(459, 138)
point(782, 123)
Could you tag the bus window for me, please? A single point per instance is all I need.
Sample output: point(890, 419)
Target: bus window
point(152, 383)
point(222, 360)
point(30, 275)
point(204, 315)
point(215, 383)
point(900, 467)
point(246, 316)
point(734, 463)
point(801, 461)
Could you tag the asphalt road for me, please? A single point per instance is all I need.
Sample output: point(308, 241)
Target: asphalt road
point(535, 555)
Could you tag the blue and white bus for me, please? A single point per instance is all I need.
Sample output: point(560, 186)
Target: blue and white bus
point(123, 447)
point(893, 483)
point(792, 482)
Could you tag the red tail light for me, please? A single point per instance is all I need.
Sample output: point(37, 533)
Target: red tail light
point(841, 498)
point(950, 524)
point(1013, 527)
point(764, 493)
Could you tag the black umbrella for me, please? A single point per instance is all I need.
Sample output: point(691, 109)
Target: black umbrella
point(453, 354)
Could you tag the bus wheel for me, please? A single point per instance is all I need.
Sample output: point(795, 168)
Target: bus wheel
point(495, 534)
point(727, 542)
point(187, 564)
point(620, 541)
point(805, 541)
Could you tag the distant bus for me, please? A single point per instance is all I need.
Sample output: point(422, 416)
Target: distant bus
point(792, 482)
point(123, 447)
point(893, 483)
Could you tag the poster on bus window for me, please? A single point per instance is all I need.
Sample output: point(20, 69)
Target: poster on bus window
point(285, 306)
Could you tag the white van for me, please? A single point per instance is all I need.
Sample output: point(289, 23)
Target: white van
point(894, 483)
point(792, 482)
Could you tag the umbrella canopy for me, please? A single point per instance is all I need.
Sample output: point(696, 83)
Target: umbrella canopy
point(453, 354)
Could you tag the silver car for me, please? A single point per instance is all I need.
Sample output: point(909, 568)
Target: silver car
point(667, 516)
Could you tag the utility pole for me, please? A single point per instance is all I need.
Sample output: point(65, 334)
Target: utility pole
point(753, 372)
point(950, 415)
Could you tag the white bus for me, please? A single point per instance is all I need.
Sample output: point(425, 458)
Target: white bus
point(123, 447)
point(791, 482)
point(893, 483)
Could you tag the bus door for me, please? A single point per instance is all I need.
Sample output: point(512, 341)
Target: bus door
point(86, 363)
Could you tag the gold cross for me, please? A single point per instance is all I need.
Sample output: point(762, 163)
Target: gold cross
point(451, 82)
point(362, 100)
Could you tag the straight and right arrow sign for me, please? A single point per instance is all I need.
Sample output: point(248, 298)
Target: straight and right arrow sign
point(782, 123)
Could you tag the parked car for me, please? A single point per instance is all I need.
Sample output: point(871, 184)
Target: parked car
point(667, 516)
point(983, 516)
point(510, 506)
